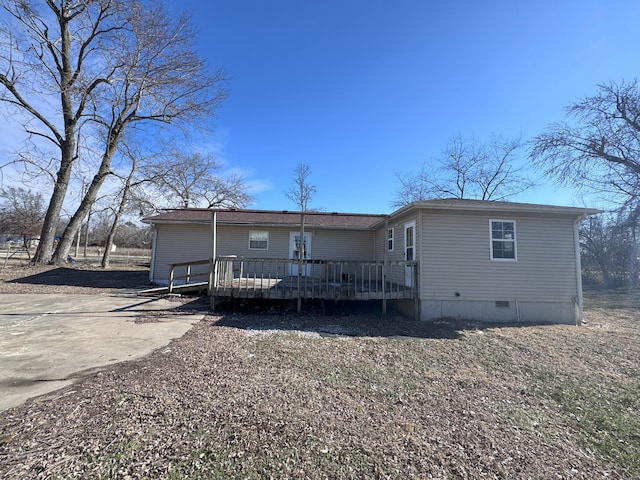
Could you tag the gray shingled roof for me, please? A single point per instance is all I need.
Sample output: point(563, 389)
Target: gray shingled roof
point(267, 217)
point(352, 220)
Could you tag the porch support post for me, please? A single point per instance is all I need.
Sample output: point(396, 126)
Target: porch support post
point(213, 278)
point(385, 240)
point(301, 255)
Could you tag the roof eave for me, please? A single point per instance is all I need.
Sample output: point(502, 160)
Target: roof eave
point(498, 207)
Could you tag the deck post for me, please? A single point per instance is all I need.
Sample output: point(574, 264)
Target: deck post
point(213, 278)
point(415, 292)
point(384, 267)
point(301, 256)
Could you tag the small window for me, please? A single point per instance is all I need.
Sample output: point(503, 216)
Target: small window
point(503, 240)
point(390, 239)
point(258, 240)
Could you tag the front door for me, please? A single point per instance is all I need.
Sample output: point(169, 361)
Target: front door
point(294, 252)
point(409, 251)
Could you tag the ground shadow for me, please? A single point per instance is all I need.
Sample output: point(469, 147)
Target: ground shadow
point(347, 318)
point(348, 325)
point(354, 318)
point(88, 278)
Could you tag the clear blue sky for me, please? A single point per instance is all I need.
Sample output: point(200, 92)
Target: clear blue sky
point(361, 89)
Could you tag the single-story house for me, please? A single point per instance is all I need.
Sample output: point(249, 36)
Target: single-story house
point(483, 260)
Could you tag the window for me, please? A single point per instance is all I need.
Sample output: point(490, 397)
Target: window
point(390, 239)
point(258, 240)
point(503, 239)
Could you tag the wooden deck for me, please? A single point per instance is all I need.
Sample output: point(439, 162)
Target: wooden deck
point(240, 277)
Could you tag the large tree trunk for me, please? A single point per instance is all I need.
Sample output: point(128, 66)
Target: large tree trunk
point(67, 149)
point(45, 248)
point(64, 246)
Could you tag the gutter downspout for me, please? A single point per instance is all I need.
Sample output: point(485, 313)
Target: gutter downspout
point(152, 266)
point(578, 299)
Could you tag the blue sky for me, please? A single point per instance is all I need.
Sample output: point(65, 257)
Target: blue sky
point(363, 90)
point(360, 90)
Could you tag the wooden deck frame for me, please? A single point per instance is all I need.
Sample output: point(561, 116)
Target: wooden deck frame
point(277, 278)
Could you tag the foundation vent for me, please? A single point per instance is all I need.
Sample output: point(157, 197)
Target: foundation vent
point(502, 304)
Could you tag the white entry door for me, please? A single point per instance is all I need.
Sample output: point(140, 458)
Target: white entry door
point(294, 251)
point(409, 251)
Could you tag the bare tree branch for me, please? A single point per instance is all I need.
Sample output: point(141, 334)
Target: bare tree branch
point(467, 168)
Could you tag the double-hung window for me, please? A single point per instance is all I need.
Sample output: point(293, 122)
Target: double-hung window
point(258, 240)
point(503, 240)
point(390, 239)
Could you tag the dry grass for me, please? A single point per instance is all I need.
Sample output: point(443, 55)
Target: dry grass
point(283, 396)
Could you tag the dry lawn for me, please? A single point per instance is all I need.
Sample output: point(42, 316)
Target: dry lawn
point(269, 395)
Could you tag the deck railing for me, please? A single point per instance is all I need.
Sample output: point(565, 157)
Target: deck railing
point(284, 278)
point(177, 277)
point(244, 277)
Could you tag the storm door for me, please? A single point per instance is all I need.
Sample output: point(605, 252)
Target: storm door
point(294, 252)
point(409, 251)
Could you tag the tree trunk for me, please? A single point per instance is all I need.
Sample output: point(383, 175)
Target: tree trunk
point(62, 252)
point(118, 215)
point(67, 150)
point(45, 248)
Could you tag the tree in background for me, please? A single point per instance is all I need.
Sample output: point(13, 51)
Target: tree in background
point(194, 179)
point(467, 168)
point(21, 214)
point(609, 252)
point(597, 149)
point(301, 192)
point(104, 66)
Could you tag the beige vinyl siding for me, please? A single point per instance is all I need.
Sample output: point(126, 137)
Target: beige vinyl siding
point(380, 239)
point(234, 240)
point(396, 274)
point(180, 243)
point(456, 259)
point(186, 242)
point(352, 245)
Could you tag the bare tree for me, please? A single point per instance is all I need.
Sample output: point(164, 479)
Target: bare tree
point(597, 148)
point(193, 179)
point(21, 213)
point(609, 250)
point(301, 192)
point(104, 66)
point(467, 168)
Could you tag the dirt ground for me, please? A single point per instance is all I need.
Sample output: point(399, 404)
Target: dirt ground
point(267, 394)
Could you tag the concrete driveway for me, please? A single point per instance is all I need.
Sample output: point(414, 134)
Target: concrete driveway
point(47, 340)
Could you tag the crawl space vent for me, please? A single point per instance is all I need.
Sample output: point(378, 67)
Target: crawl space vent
point(502, 304)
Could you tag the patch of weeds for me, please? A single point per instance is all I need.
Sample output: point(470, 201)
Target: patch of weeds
point(204, 464)
point(606, 417)
point(113, 458)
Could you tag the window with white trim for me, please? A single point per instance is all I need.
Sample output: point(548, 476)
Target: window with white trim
point(390, 239)
point(503, 239)
point(258, 240)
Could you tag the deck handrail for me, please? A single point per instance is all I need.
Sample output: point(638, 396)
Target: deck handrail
point(187, 277)
point(231, 275)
